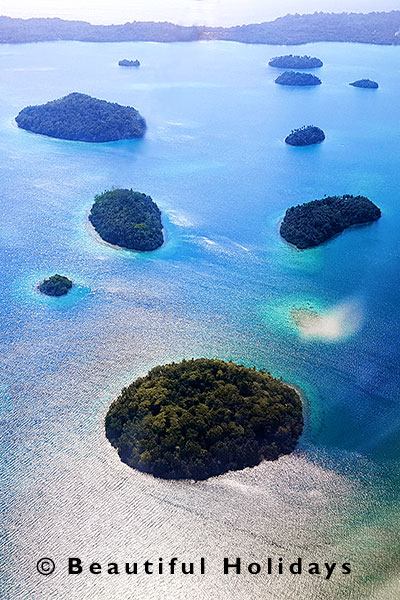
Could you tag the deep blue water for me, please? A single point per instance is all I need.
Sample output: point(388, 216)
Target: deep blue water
point(225, 283)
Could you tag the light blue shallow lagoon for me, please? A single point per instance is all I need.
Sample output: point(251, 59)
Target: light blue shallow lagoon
point(224, 285)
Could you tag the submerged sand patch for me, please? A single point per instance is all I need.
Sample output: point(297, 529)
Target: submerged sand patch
point(331, 325)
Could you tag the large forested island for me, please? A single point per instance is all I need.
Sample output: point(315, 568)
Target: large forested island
point(56, 285)
point(291, 61)
point(201, 418)
point(365, 83)
point(83, 118)
point(297, 79)
point(313, 223)
point(127, 219)
point(305, 136)
point(372, 28)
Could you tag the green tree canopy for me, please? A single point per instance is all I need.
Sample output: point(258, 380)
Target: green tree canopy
point(290, 61)
point(56, 285)
point(83, 118)
point(305, 136)
point(128, 219)
point(201, 418)
point(297, 79)
point(315, 222)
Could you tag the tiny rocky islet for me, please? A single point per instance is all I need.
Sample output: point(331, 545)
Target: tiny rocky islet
point(56, 285)
point(305, 136)
point(129, 63)
point(365, 83)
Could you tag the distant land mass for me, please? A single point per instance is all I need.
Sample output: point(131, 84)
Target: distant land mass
point(365, 83)
point(82, 118)
point(310, 224)
point(371, 28)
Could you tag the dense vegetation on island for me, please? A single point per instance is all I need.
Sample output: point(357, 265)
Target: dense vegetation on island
point(129, 63)
point(291, 61)
point(128, 219)
point(365, 83)
point(313, 223)
point(372, 28)
point(56, 285)
point(83, 118)
point(297, 79)
point(305, 136)
point(200, 418)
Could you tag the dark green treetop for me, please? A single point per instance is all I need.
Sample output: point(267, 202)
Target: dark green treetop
point(56, 285)
point(291, 61)
point(297, 79)
point(313, 223)
point(83, 118)
point(200, 418)
point(128, 219)
point(305, 136)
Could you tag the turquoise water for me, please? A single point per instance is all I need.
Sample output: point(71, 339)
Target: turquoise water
point(223, 285)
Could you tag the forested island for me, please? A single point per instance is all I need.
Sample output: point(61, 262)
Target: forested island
point(305, 136)
point(127, 219)
point(297, 79)
point(371, 28)
point(82, 118)
point(200, 418)
point(365, 83)
point(310, 224)
point(129, 63)
point(56, 285)
point(291, 61)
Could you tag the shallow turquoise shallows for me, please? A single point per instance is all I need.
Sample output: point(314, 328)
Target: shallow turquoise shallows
point(223, 285)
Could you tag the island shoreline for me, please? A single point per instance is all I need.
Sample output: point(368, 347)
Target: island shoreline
point(356, 226)
point(96, 237)
point(14, 124)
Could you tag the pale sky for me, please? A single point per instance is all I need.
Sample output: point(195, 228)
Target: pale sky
point(187, 12)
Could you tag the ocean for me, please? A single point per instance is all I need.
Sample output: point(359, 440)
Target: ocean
point(224, 285)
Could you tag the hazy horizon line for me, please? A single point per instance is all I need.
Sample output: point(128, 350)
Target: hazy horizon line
point(343, 12)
